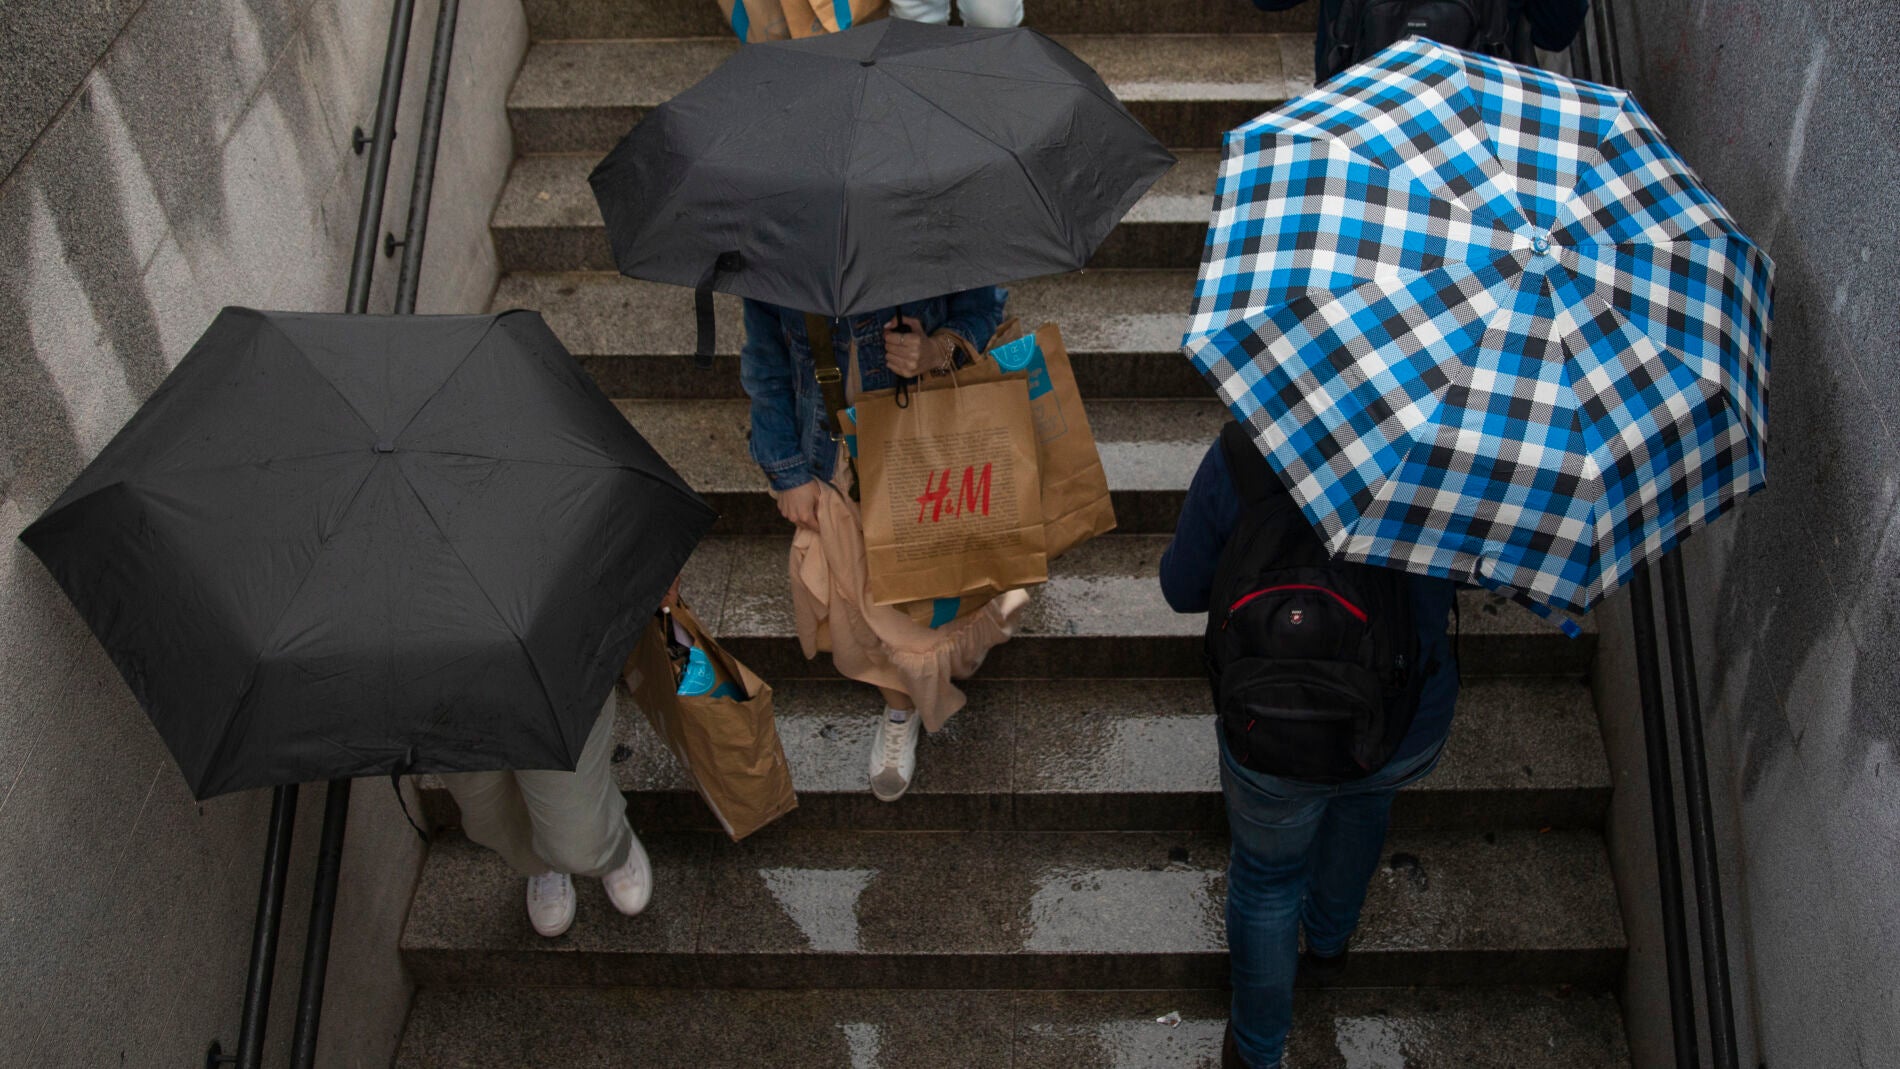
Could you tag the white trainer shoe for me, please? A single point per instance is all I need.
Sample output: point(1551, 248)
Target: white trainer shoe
point(551, 903)
point(630, 887)
point(894, 756)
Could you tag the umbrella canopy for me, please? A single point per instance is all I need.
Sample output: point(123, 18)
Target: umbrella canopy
point(892, 162)
point(1485, 323)
point(342, 545)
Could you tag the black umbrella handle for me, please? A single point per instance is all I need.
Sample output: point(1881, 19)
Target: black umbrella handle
point(725, 263)
point(904, 382)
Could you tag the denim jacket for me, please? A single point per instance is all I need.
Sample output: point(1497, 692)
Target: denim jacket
point(791, 441)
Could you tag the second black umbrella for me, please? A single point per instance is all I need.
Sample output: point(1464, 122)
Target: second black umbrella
point(889, 163)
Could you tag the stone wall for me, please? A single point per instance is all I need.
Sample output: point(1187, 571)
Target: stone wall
point(1790, 111)
point(160, 160)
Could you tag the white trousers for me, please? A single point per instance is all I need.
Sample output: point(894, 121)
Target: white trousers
point(975, 12)
point(573, 822)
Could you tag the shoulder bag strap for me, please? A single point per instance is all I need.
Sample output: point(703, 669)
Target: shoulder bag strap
point(825, 366)
point(830, 382)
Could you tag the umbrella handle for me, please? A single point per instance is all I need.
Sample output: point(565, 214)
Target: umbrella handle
point(903, 381)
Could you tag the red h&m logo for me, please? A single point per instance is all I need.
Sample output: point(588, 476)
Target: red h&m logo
point(973, 495)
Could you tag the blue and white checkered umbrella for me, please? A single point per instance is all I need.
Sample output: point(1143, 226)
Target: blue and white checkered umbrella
point(1485, 323)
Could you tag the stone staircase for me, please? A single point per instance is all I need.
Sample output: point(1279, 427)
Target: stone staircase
point(1054, 882)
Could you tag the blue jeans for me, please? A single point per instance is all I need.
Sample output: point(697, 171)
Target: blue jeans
point(1302, 855)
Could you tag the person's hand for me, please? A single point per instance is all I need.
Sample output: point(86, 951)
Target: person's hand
point(672, 597)
point(800, 505)
point(913, 353)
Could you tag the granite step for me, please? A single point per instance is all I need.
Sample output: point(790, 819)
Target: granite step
point(584, 95)
point(547, 220)
point(551, 20)
point(1100, 616)
point(544, 1028)
point(795, 908)
point(1149, 450)
point(1123, 330)
point(1116, 755)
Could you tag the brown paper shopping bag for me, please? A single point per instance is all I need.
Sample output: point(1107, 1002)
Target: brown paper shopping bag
point(1075, 502)
point(727, 743)
point(761, 20)
point(951, 493)
point(809, 18)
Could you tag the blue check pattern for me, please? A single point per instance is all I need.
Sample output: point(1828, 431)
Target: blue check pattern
point(1485, 323)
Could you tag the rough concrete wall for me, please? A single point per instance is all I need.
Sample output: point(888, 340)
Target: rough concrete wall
point(1790, 111)
point(161, 160)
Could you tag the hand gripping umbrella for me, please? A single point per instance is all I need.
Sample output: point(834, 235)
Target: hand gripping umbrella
point(343, 545)
point(1485, 323)
point(892, 162)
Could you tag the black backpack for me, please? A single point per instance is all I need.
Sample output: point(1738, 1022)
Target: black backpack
point(1314, 661)
point(1362, 27)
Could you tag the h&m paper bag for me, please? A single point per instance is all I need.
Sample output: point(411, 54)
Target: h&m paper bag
point(951, 492)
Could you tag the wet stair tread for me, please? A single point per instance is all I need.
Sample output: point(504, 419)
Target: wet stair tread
point(1500, 1028)
point(1119, 755)
point(583, 95)
point(814, 908)
point(546, 218)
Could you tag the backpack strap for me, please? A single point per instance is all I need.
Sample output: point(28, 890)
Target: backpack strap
point(1500, 27)
point(1253, 476)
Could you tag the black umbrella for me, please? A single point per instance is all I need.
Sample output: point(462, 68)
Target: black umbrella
point(342, 545)
point(893, 162)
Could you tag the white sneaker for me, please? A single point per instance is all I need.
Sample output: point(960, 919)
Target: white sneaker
point(551, 903)
point(630, 887)
point(894, 756)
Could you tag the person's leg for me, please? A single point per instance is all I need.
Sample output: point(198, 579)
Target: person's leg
point(1272, 823)
point(580, 817)
point(991, 12)
point(1351, 839)
point(935, 12)
point(494, 816)
point(1347, 851)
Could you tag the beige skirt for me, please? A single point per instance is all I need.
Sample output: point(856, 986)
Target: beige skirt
point(880, 644)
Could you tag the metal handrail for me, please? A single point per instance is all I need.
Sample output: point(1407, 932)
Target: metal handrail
point(256, 1012)
point(1597, 54)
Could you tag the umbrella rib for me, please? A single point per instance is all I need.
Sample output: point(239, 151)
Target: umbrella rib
point(1042, 39)
point(1041, 198)
point(317, 371)
point(1462, 375)
point(240, 465)
point(844, 195)
point(518, 460)
point(493, 321)
point(250, 677)
point(546, 696)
